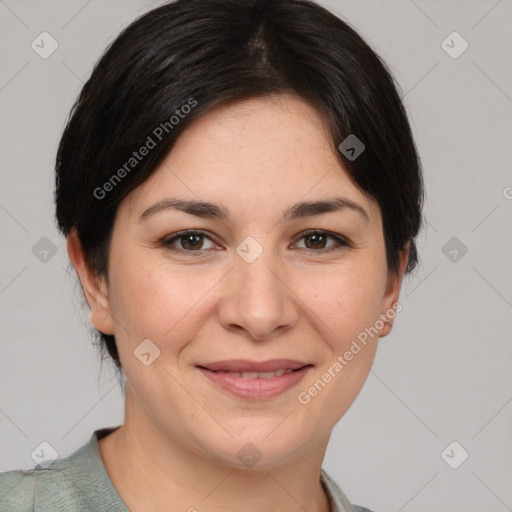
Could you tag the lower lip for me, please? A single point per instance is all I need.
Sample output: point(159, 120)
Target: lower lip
point(256, 389)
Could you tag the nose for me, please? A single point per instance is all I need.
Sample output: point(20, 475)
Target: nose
point(257, 301)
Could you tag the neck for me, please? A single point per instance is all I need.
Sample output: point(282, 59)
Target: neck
point(152, 472)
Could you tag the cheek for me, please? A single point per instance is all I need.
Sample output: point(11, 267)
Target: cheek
point(138, 300)
point(345, 306)
point(153, 300)
point(345, 301)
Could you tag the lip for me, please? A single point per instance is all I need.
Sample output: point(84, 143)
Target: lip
point(257, 389)
point(246, 365)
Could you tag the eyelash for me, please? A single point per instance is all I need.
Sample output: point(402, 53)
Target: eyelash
point(340, 242)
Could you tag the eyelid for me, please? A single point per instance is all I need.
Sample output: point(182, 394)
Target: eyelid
point(167, 241)
point(341, 241)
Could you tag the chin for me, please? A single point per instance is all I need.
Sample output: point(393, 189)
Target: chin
point(257, 444)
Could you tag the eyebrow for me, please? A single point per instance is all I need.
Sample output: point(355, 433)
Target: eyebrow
point(214, 211)
point(310, 208)
point(197, 208)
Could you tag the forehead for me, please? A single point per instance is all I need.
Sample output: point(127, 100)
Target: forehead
point(273, 150)
point(272, 130)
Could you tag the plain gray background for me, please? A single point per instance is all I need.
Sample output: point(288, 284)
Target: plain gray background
point(445, 372)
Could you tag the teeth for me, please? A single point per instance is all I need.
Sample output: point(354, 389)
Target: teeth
point(258, 375)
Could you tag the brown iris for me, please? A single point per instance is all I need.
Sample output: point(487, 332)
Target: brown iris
point(318, 241)
point(191, 242)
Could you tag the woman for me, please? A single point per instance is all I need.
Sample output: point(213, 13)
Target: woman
point(240, 192)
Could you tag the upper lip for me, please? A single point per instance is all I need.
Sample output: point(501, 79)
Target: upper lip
point(245, 365)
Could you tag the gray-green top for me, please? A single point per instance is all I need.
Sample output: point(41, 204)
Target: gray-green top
point(81, 483)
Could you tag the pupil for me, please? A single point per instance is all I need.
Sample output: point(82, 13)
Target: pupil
point(317, 240)
point(192, 242)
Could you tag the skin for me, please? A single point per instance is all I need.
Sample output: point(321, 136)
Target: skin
point(179, 441)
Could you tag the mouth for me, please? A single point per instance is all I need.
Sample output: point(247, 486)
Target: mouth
point(255, 380)
point(256, 375)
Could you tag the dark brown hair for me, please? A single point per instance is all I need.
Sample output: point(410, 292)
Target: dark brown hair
point(204, 53)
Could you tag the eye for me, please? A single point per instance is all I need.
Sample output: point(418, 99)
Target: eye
point(318, 241)
point(189, 241)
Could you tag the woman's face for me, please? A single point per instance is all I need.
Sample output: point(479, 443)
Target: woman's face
point(286, 261)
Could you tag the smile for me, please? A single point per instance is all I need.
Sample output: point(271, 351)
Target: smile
point(257, 375)
point(256, 385)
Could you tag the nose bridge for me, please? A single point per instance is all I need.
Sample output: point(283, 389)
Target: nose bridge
point(257, 302)
point(260, 283)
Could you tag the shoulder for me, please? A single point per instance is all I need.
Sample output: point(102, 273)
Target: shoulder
point(339, 502)
point(51, 489)
point(74, 483)
point(16, 491)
